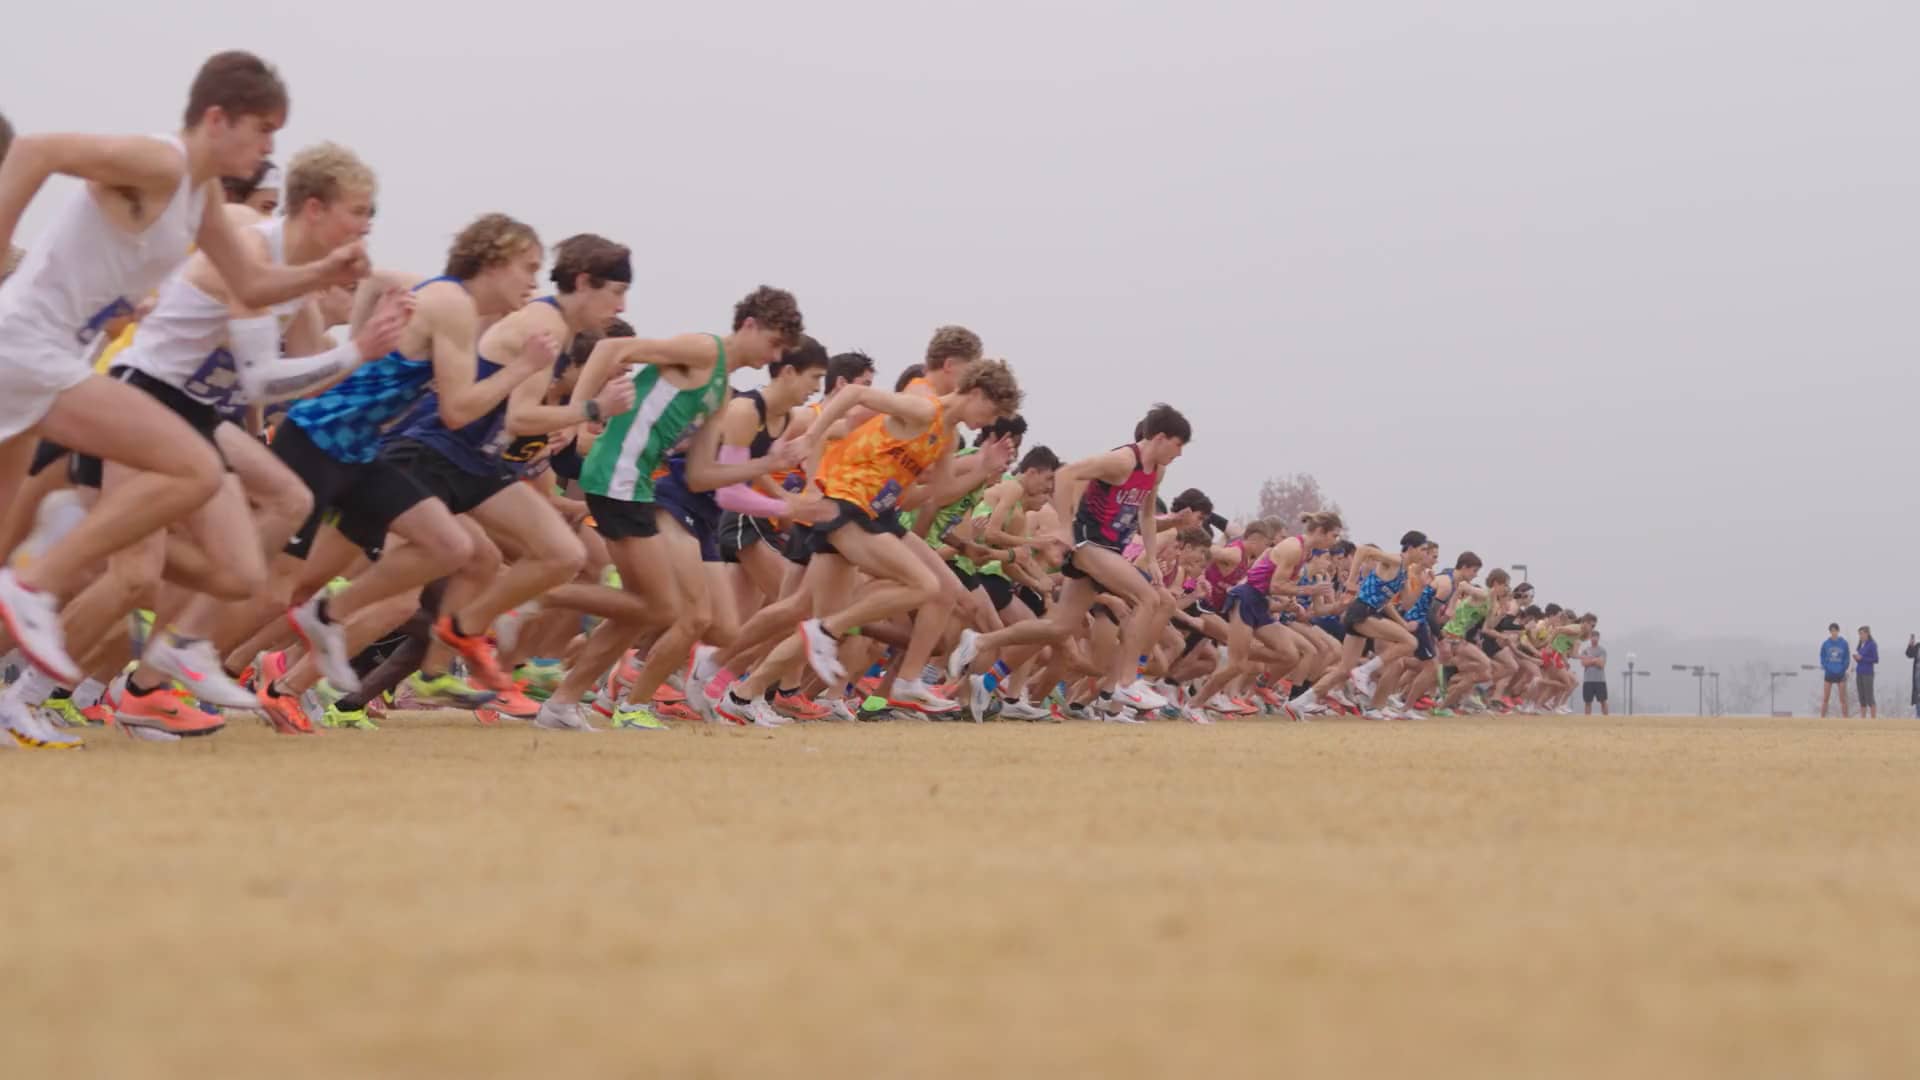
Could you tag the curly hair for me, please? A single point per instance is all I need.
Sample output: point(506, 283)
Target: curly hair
point(994, 379)
point(774, 309)
point(491, 240)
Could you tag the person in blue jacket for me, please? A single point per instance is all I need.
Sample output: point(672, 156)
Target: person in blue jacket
point(1834, 658)
point(1866, 655)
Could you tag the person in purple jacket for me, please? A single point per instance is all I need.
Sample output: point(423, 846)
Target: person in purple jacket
point(1865, 656)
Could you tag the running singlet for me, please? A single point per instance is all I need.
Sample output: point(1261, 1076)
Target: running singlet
point(1218, 583)
point(1467, 615)
point(954, 512)
point(482, 446)
point(183, 341)
point(790, 480)
point(85, 272)
point(1110, 513)
point(622, 462)
point(871, 468)
point(345, 421)
point(1376, 593)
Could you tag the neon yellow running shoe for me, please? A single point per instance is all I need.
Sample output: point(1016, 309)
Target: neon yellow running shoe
point(65, 713)
point(637, 716)
point(357, 719)
point(446, 691)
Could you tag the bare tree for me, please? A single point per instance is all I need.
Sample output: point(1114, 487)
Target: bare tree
point(1289, 497)
point(1743, 689)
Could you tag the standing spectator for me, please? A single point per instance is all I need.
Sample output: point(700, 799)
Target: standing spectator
point(1593, 680)
point(1865, 656)
point(1833, 661)
point(1913, 654)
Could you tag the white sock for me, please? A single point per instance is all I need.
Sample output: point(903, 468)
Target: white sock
point(88, 694)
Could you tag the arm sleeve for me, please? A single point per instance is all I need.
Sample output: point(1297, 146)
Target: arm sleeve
point(266, 377)
point(741, 498)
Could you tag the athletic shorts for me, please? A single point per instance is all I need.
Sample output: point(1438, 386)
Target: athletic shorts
point(86, 471)
point(1253, 606)
point(1034, 601)
point(738, 532)
point(437, 475)
point(618, 519)
point(1333, 625)
point(1591, 692)
point(856, 517)
point(1357, 613)
point(999, 589)
point(1836, 679)
point(1084, 536)
point(1552, 660)
point(361, 499)
point(695, 511)
point(1423, 641)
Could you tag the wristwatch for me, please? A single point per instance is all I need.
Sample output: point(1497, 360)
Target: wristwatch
point(593, 411)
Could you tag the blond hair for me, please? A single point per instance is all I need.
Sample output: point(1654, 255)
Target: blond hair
point(325, 171)
point(994, 379)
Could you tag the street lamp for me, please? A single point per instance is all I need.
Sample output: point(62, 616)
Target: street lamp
point(1773, 677)
point(1633, 672)
point(1522, 567)
point(1698, 671)
point(1715, 676)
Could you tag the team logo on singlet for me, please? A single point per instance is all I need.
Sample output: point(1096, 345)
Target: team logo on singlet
point(120, 308)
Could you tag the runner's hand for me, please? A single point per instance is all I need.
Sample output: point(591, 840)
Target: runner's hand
point(997, 453)
point(380, 334)
point(537, 353)
point(809, 509)
point(346, 264)
point(615, 398)
point(788, 454)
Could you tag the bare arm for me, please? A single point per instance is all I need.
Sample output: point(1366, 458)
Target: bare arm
point(1114, 467)
point(123, 161)
point(258, 282)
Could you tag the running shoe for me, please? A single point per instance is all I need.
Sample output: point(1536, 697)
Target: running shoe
point(483, 664)
point(704, 665)
point(28, 730)
point(734, 710)
point(327, 641)
point(637, 718)
point(33, 620)
point(564, 716)
point(166, 709)
point(963, 653)
point(799, 708)
point(837, 708)
point(63, 712)
point(1443, 711)
point(874, 709)
point(539, 678)
point(1022, 709)
point(283, 711)
point(921, 698)
point(683, 713)
point(356, 719)
point(1138, 695)
point(823, 654)
point(516, 704)
point(979, 698)
point(193, 665)
point(1195, 715)
point(1362, 682)
point(447, 691)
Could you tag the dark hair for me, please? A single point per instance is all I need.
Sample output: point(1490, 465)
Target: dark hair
point(239, 84)
point(241, 188)
point(599, 258)
point(1040, 457)
point(1467, 559)
point(1498, 577)
point(1867, 630)
point(774, 309)
point(1412, 540)
point(1833, 628)
point(847, 367)
point(1553, 609)
point(1193, 499)
point(6, 136)
point(1165, 420)
point(914, 371)
point(583, 342)
point(1531, 611)
point(807, 355)
point(1343, 547)
point(1010, 427)
point(1194, 536)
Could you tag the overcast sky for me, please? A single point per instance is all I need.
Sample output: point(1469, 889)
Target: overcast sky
point(1619, 290)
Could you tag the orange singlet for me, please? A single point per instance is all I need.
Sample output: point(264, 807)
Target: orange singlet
point(871, 468)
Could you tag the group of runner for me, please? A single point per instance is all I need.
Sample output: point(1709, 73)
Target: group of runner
point(482, 497)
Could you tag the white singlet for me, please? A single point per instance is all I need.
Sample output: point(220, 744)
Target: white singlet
point(82, 273)
point(183, 341)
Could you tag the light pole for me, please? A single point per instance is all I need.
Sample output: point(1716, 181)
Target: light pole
point(1633, 672)
point(1715, 676)
point(1522, 567)
point(1698, 671)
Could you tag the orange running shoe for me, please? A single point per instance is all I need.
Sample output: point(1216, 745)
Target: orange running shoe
point(800, 708)
point(283, 711)
point(675, 712)
point(667, 695)
point(487, 717)
point(483, 666)
point(165, 709)
point(98, 713)
point(514, 702)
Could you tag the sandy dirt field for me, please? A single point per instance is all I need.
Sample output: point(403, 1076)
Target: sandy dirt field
point(1527, 898)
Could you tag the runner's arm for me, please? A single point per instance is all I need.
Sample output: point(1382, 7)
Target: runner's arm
point(1114, 467)
point(122, 161)
point(258, 282)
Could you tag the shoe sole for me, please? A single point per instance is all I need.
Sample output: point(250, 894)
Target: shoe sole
point(20, 642)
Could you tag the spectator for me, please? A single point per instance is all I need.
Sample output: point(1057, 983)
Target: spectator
point(1865, 656)
point(1593, 685)
point(1913, 654)
point(1833, 661)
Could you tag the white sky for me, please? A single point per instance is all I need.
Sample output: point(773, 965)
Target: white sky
point(1619, 290)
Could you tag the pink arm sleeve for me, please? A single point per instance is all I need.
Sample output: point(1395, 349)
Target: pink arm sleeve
point(740, 498)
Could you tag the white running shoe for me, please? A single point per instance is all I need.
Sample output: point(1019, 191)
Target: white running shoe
point(27, 728)
point(762, 713)
point(1195, 715)
point(1362, 682)
point(979, 698)
point(33, 618)
point(1140, 696)
point(506, 629)
point(195, 666)
point(1376, 714)
point(917, 695)
point(837, 708)
point(557, 715)
point(1396, 703)
point(1121, 714)
point(704, 668)
point(328, 641)
point(1023, 709)
point(1220, 703)
point(823, 653)
point(963, 653)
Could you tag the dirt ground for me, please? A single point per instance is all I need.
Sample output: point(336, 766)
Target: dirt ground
point(1564, 897)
